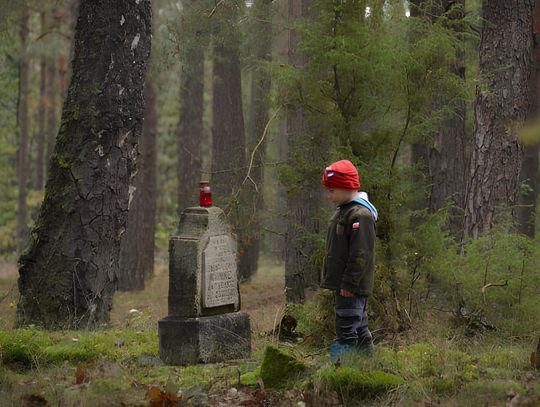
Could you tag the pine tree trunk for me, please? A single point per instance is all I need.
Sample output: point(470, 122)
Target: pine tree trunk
point(69, 272)
point(137, 246)
point(501, 105)
point(228, 136)
point(529, 176)
point(447, 160)
point(526, 212)
point(53, 106)
point(304, 201)
point(228, 140)
point(443, 164)
point(261, 38)
point(42, 118)
point(149, 181)
point(190, 124)
point(23, 121)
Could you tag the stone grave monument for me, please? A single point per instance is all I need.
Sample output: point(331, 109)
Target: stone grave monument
point(204, 322)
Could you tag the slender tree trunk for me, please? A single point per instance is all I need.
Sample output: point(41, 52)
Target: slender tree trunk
point(228, 139)
point(261, 38)
point(447, 156)
point(529, 176)
point(137, 246)
point(69, 272)
point(24, 90)
point(42, 118)
point(52, 107)
point(526, 212)
point(501, 106)
point(149, 181)
point(304, 201)
point(443, 164)
point(190, 124)
point(228, 136)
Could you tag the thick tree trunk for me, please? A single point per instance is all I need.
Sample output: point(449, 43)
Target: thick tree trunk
point(501, 106)
point(68, 274)
point(261, 38)
point(24, 90)
point(304, 201)
point(138, 242)
point(190, 124)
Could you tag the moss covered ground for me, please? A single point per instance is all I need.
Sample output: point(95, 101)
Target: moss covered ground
point(430, 365)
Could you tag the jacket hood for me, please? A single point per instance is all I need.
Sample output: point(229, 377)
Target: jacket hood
point(363, 199)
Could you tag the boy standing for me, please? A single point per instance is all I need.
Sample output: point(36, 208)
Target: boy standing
point(350, 258)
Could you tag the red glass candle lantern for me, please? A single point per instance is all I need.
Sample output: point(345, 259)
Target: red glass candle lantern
point(205, 194)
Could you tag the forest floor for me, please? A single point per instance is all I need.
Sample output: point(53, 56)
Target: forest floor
point(119, 365)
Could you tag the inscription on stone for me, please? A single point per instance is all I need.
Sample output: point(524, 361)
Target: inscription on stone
point(220, 285)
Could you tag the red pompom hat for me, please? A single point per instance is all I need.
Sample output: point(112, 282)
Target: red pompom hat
point(341, 175)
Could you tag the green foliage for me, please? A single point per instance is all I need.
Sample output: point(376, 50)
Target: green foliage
point(316, 317)
point(352, 384)
point(278, 368)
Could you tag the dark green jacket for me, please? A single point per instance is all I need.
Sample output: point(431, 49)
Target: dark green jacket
point(350, 250)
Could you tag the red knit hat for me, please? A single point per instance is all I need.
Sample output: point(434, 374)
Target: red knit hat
point(342, 175)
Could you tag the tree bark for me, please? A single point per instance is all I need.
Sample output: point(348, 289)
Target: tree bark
point(304, 201)
point(447, 160)
point(42, 118)
point(443, 164)
point(52, 108)
point(190, 124)
point(138, 242)
point(69, 272)
point(501, 106)
point(261, 40)
point(23, 121)
point(529, 176)
point(228, 136)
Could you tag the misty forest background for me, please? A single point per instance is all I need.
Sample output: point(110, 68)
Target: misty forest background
point(434, 101)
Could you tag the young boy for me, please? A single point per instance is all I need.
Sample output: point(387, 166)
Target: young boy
point(350, 257)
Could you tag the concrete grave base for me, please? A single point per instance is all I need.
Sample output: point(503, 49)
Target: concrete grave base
point(210, 339)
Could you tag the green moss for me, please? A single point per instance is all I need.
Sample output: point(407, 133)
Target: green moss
point(61, 161)
point(349, 382)
point(279, 368)
point(23, 346)
point(29, 346)
point(251, 378)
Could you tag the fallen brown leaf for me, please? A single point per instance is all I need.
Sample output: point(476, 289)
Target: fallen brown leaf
point(79, 374)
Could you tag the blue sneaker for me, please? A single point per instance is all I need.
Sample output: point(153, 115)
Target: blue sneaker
point(338, 350)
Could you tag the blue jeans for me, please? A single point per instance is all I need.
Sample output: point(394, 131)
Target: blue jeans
point(352, 320)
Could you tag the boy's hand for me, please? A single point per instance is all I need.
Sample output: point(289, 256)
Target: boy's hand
point(345, 293)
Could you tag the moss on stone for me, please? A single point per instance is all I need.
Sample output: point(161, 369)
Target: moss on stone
point(279, 368)
point(251, 378)
point(349, 382)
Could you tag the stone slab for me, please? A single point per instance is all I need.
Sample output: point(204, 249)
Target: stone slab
point(210, 339)
point(220, 274)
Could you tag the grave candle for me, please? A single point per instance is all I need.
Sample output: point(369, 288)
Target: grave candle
point(205, 194)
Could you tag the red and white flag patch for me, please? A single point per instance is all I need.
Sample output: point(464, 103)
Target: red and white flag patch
point(356, 225)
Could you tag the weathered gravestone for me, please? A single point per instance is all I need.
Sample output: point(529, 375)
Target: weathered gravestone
point(204, 324)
